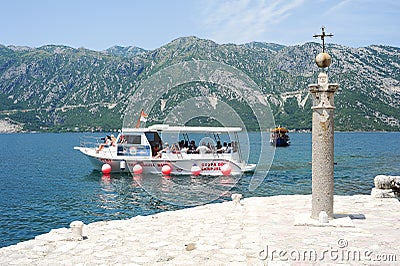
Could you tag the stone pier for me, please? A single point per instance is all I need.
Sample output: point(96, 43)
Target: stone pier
point(254, 231)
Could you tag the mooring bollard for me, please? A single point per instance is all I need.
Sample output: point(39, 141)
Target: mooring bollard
point(76, 228)
point(236, 199)
point(323, 217)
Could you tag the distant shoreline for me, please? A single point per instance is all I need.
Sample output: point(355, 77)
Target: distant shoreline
point(8, 127)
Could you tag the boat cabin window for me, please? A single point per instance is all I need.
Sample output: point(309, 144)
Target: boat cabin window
point(133, 139)
point(131, 145)
point(153, 138)
point(155, 142)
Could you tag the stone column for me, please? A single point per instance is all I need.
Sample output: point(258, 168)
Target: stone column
point(322, 145)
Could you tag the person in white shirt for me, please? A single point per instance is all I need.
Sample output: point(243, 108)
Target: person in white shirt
point(203, 149)
point(223, 148)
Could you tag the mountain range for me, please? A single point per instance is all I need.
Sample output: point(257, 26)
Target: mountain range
point(59, 88)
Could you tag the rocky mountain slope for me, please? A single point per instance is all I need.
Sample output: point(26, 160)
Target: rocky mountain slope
point(58, 88)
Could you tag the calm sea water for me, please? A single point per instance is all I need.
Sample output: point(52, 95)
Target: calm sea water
point(45, 184)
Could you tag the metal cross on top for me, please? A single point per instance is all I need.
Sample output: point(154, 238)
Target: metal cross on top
point(323, 35)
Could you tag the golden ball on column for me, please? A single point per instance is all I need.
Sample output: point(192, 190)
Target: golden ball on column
point(323, 60)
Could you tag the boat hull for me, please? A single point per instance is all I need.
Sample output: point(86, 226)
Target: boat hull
point(185, 167)
point(179, 164)
point(280, 142)
point(114, 163)
point(279, 137)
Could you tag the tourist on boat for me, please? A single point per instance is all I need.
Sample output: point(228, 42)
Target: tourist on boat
point(121, 139)
point(229, 148)
point(165, 150)
point(184, 149)
point(218, 146)
point(175, 148)
point(155, 150)
point(181, 144)
point(223, 148)
point(211, 146)
point(106, 144)
point(113, 140)
point(235, 146)
point(202, 149)
point(192, 147)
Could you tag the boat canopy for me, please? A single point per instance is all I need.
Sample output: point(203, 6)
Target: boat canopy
point(167, 128)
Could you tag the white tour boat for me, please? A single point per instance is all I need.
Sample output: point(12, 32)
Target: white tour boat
point(145, 150)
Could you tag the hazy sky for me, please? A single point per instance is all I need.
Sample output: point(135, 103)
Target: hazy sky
point(100, 24)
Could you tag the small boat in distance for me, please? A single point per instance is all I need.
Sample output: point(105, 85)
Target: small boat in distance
point(279, 137)
point(145, 150)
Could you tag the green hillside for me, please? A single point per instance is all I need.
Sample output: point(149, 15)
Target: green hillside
point(58, 88)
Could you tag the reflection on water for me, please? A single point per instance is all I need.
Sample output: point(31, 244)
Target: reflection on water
point(171, 190)
point(120, 195)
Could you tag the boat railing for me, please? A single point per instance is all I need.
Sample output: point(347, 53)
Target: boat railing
point(208, 155)
point(90, 141)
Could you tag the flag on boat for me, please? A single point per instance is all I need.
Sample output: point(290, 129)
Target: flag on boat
point(142, 118)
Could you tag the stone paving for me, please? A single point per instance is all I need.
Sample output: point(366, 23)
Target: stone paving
point(258, 231)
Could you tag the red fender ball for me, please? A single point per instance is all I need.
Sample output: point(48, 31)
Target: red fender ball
point(166, 169)
point(196, 170)
point(137, 169)
point(226, 169)
point(106, 168)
